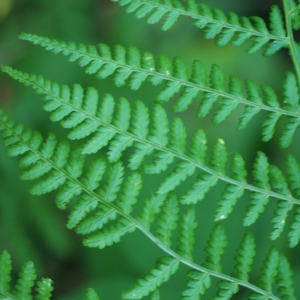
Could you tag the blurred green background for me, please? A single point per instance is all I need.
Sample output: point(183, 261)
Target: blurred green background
point(32, 228)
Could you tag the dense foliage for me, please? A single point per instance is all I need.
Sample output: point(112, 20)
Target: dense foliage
point(123, 165)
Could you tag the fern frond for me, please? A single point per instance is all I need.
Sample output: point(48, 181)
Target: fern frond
point(161, 140)
point(59, 163)
point(176, 81)
point(164, 268)
point(226, 27)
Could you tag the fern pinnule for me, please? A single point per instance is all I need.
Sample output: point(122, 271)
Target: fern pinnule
point(268, 272)
point(258, 200)
point(96, 221)
point(196, 285)
point(285, 281)
point(167, 220)
point(232, 192)
point(25, 282)
point(215, 248)
point(110, 234)
point(164, 268)
point(151, 208)
point(44, 289)
point(155, 295)
point(186, 238)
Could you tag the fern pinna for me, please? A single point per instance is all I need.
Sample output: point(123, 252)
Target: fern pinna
point(122, 145)
point(131, 64)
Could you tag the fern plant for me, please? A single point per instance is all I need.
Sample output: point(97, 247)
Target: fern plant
point(116, 147)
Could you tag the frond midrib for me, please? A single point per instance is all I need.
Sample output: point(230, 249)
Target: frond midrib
point(182, 157)
point(211, 20)
point(139, 225)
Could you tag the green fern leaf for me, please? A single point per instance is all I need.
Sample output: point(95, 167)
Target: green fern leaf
point(186, 238)
point(160, 126)
point(44, 289)
point(94, 174)
point(250, 111)
point(5, 270)
point(198, 146)
point(293, 169)
point(283, 207)
point(199, 188)
point(182, 171)
point(96, 221)
point(91, 295)
point(232, 192)
point(244, 257)
point(228, 27)
point(140, 120)
point(85, 204)
point(167, 220)
point(215, 248)
point(294, 234)
point(196, 285)
point(155, 295)
point(285, 279)
point(269, 270)
point(175, 77)
point(258, 200)
point(218, 157)
point(129, 192)
point(110, 234)
point(114, 180)
point(151, 208)
point(244, 261)
point(164, 268)
point(288, 131)
point(70, 189)
point(294, 9)
point(291, 92)
point(25, 281)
